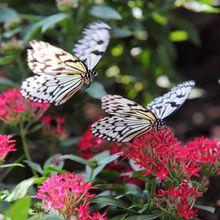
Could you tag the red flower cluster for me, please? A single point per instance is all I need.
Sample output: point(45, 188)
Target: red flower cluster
point(160, 154)
point(54, 127)
point(181, 199)
point(14, 108)
point(89, 145)
point(6, 145)
point(68, 194)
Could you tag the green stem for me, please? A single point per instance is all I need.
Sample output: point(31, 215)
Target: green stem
point(25, 145)
point(151, 192)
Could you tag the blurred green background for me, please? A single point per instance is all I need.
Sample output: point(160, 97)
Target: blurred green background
point(154, 45)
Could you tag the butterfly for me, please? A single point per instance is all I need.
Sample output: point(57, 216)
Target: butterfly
point(60, 74)
point(129, 120)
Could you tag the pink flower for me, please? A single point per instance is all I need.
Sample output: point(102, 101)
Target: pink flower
point(67, 193)
point(14, 108)
point(54, 127)
point(6, 145)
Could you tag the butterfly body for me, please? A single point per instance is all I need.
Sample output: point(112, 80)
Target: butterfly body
point(129, 120)
point(60, 74)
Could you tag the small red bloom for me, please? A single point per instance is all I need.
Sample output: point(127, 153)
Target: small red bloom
point(6, 145)
point(89, 145)
point(14, 108)
point(54, 127)
point(67, 193)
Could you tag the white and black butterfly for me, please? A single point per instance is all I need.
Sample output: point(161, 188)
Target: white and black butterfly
point(128, 119)
point(60, 74)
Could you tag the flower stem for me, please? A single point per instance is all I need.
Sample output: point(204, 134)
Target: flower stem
point(151, 192)
point(25, 146)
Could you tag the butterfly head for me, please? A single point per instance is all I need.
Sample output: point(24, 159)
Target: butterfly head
point(93, 73)
point(159, 123)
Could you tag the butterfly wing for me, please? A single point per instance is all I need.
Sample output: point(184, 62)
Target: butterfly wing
point(117, 105)
point(93, 44)
point(120, 129)
point(53, 89)
point(44, 58)
point(59, 74)
point(127, 121)
point(172, 100)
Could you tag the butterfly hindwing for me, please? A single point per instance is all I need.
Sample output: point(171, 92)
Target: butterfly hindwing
point(172, 100)
point(53, 89)
point(120, 129)
point(93, 44)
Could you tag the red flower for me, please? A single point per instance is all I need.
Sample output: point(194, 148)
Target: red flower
point(180, 199)
point(14, 108)
point(203, 150)
point(54, 127)
point(89, 145)
point(153, 151)
point(6, 145)
point(83, 213)
point(67, 193)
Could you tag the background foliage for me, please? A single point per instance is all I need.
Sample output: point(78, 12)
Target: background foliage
point(154, 45)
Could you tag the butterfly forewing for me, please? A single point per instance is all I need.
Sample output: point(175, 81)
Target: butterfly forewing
point(172, 100)
point(44, 58)
point(120, 129)
point(117, 105)
point(93, 44)
point(128, 120)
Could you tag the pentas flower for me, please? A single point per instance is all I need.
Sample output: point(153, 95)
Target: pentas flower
point(89, 145)
point(153, 152)
point(54, 127)
point(67, 193)
point(6, 145)
point(14, 108)
point(160, 154)
point(179, 200)
point(83, 213)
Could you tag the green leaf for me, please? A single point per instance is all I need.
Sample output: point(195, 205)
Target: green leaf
point(43, 25)
point(111, 201)
point(143, 217)
point(8, 15)
point(20, 190)
point(19, 210)
point(178, 36)
point(197, 6)
point(189, 27)
point(51, 21)
point(11, 165)
point(121, 32)
point(134, 166)
point(109, 159)
point(69, 142)
point(34, 166)
point(105, 12)
point(102, 160)
point(74, 158)
point(7, 59)
point(119, 217)
point(96, 90)
point(206, 208)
